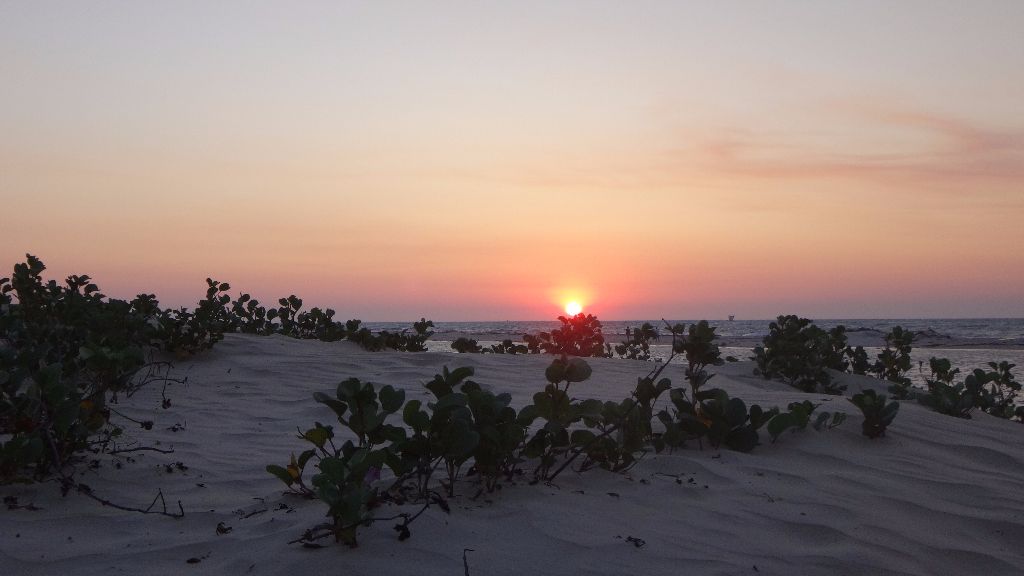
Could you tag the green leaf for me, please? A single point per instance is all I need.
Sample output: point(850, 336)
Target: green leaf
point(281, 473)
point(735, 412)
point(390, 399)
point(779, 424)
point(318, 436)
point(337, 406)
point(578, 370)
point(555, 372)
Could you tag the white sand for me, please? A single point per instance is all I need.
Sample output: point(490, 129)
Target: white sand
point(938, 495)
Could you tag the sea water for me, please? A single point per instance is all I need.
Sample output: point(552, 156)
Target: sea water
point(967, 343)
point(959, 332)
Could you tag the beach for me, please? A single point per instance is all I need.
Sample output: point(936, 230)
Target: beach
point(936, 495)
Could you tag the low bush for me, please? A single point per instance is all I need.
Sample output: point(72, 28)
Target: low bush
point(507, 347)
point(994, 391)
point(186, 333)
point(709, 413)
point(559, 412)
point(579, 335)
point(464, 345)
point(697, 345)
point(730, 424)
point(342, 480)
point(798, 352)
point(798, 416)
point(997, 395)
point(637, 345)
point(384, 340)
point(251, 318)
point(66, 353)
point(893, 362)
point(878, 414)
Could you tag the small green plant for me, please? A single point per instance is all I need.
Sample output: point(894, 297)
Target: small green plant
point(998, 394)
point(704, 413)
point(687, 421)
point(834, 349)
point(579, 335)
point(942, 370)
point(878, 414)
point(994, 391)
point(416, 342)
point(698, 346)
point(384, 340)
point(287, 316)
point(618, 435)
point(859, 363)
point(798, 416)
point(501, 432)
point(507, 346)
point(317, 324)
point(943, 395)
point(798, 352)
point(637, 345)
point(66, 353)
point(559, 411)
point(950, 399)
point(464, 345)
point(344, 476)
point(452, 434)
point(729, 423)
point(894, 362)
point(251, 318)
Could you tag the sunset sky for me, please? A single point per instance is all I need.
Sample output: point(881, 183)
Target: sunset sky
point(492, 160)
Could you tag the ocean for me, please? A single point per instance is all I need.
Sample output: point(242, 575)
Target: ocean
point(958, 332)
point(968, 343)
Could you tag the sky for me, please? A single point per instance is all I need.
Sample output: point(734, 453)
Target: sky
point(493, 160)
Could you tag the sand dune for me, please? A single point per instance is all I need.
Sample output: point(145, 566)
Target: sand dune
point(938, 495)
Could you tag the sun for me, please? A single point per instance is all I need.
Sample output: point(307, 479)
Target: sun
point(573, 308)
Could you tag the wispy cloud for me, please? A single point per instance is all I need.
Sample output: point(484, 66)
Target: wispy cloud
point(947, 150)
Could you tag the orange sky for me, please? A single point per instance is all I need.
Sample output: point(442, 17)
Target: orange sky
point(465, 161)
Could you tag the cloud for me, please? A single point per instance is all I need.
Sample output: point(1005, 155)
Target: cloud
point(945, 150)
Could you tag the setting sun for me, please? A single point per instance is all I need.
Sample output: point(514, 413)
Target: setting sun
point(573, 308)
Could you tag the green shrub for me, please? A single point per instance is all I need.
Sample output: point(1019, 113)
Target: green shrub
point(700, 350)
point(798, 352)
point(720, 419)
point(507, 347)
point(501, 432)
point(878, 414)
point(342, 481)
point(559, 411)
point(997, 395)
point(579, 335)
point(317, 324)
point(251, 318)
point(451, 433)
point(729, 423)
point(619, 434)
point(384, 340)
point(186, 333)
point(464, 345)
point(798, 416)
point(994, 391)
point(638, 343)
point(950, 399)
point(65, 353)
point(894, 361)
point(859, 363)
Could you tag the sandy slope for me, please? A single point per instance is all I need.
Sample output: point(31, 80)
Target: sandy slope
point(937, 496)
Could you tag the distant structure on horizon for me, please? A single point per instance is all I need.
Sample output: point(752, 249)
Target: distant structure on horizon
point(732, 317)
